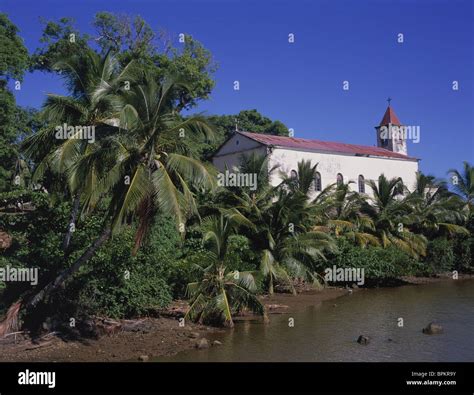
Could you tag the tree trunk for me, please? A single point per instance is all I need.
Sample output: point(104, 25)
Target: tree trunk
point(74, 213)
point(64, 275)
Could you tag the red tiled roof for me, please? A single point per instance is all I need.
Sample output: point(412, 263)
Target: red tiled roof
point(324, 146)
point(390, 117)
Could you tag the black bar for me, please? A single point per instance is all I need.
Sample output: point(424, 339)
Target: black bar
point(240, 377)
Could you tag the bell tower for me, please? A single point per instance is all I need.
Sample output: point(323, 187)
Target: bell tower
point(391, 133)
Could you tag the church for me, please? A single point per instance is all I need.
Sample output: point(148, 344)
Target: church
point(337, 162)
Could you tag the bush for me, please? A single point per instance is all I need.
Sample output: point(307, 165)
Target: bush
point(440, 256)
point(463, 250)
point(379, 264)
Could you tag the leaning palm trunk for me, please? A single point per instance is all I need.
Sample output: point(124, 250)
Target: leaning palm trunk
point(11, 320)
point(72, 220)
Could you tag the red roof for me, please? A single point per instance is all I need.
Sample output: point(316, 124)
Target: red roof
point(323, 146)
point(390, 117)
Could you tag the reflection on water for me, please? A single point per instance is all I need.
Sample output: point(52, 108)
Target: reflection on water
point(329, 333)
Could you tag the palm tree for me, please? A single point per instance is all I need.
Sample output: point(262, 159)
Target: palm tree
point(141, 169)
point(463, 184)
point(283, 235)
point(390, 213)
point(303, 180)
point(220, 295)
point(89, 77)
point(255, 163)
point(343, 215)
point(435, 210)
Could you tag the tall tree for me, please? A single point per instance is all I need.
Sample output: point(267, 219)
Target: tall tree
point(14, 60)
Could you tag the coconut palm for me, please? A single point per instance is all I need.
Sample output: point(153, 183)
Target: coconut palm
point(390, 213)
point(93, 82)
point(141, 169)
point(435, 210)
point(463, 184)
point(303, 180)
point(220, 294)
point(282, 234)
point(343, 215)
point(255, 163)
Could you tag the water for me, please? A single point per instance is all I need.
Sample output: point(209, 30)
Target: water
point(328, 333)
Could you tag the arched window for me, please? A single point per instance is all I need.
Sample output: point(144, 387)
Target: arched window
point(340, 179)
point(361, 184)
point(317, 182)
point(294, 174)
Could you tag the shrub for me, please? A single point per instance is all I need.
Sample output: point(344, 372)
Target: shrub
point(463, 250)
point(440, 255)
point(379, 263)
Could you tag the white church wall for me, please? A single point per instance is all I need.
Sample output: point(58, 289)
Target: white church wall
point(230, 154)
point(329, 165)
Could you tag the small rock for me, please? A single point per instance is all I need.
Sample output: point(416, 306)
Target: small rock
point(433, 329)
point(194, 335)
point(355, 286)
point(202, 344)
point(216, 343)
point(143, 358)
point(363, 339)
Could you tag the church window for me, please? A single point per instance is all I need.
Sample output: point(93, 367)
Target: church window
point(294, 174)
point(361, 184)
point(317, 182)
point(340, 179)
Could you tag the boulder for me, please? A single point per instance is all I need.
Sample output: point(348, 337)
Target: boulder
point(143, 358)
point(194, 335)
point(363, 340)
point(202, 344)
point(216, 343)
point(433, 329)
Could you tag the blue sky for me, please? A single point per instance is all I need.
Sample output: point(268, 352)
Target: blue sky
point(301, 83)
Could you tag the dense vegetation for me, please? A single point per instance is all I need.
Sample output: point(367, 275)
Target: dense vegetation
point(121, 225)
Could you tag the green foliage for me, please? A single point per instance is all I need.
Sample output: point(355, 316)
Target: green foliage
point(14, 58)
point(247, 120)
point(119, 285)
point(440, 256)
point(379, 263)
point(463, 249)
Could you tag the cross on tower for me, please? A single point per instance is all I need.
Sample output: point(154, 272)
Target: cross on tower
point(389, 100)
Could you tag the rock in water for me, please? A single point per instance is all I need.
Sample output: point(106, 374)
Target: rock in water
point(433, 329)
point(202, 344)
point(363, 339)
point(216, 343)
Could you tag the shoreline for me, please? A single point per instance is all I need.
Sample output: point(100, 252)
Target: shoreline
point(163, 336)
